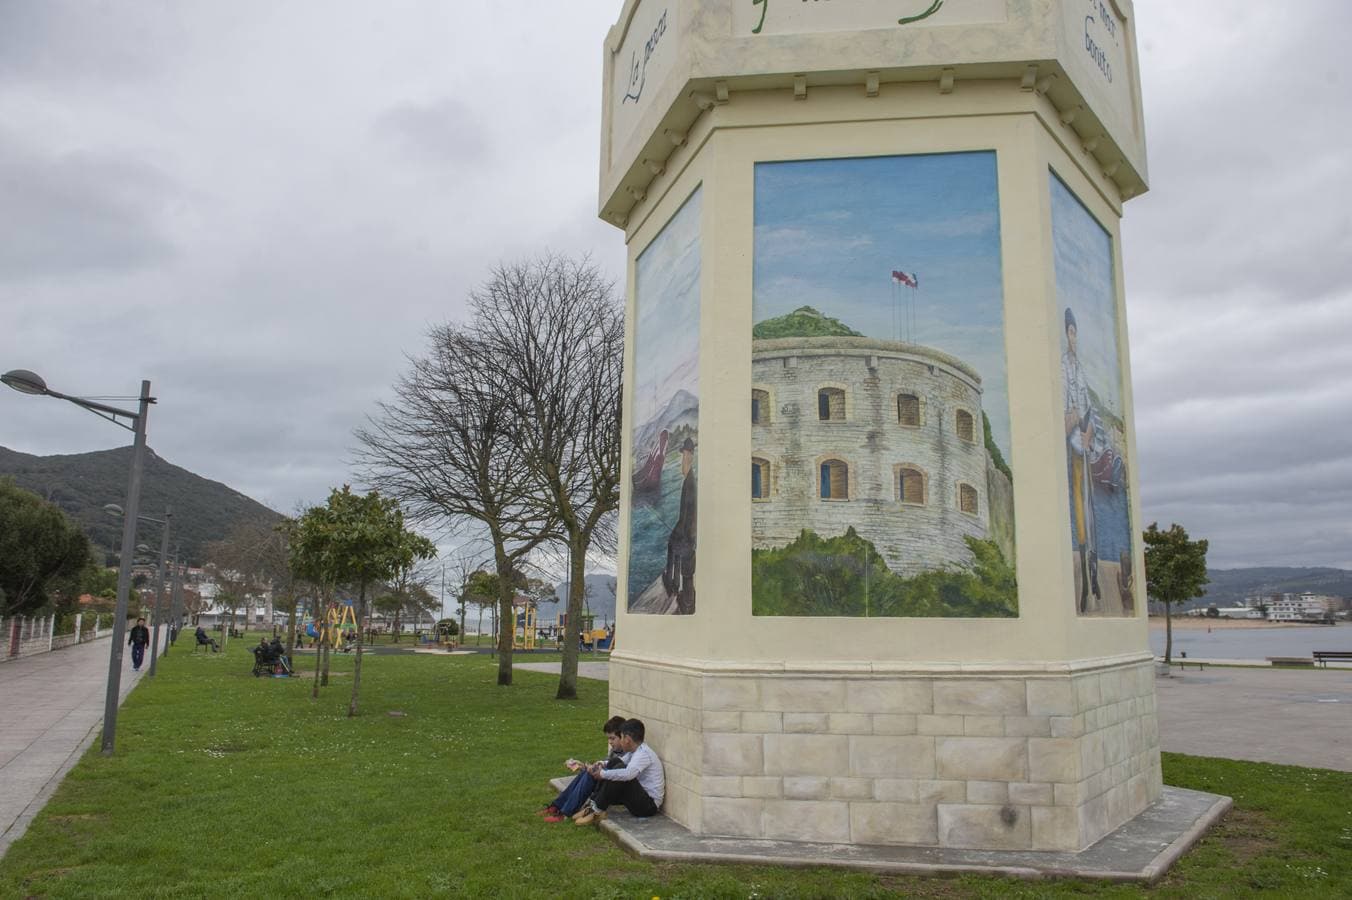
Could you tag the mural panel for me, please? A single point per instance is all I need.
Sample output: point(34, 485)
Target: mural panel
point(665, 413)
point(1091, 374)
point(880, 475)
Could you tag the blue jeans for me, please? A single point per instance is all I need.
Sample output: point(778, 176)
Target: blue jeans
point(138, 655)
point(573, 796)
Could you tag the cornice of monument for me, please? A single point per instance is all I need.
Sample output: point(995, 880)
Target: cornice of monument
point(681, 59)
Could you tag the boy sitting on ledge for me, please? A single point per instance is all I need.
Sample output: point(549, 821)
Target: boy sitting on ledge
point(639, 787)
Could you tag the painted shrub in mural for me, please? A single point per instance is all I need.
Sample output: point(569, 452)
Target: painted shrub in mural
point(1091, 374)
point(662, 497)
point(880, 480)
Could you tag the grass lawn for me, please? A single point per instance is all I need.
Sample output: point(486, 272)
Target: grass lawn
point(227, 785)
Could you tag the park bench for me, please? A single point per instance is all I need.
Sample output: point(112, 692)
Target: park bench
point(1184, 662)
point(1291, 661)
point(1323, 656)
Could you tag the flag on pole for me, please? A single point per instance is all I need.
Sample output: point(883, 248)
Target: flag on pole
point(900, 277)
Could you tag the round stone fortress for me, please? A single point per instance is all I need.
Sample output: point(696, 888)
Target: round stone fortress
point(884, 436)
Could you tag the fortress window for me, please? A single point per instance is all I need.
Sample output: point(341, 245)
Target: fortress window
point(967, 499)
point(910, 485)
point(835, 480)
point(966, 426)
point(760, 408)
point(760, 479)
point(908, 409)
point(831, 405)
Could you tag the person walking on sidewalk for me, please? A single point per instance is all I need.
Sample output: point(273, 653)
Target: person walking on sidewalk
point(138, 639)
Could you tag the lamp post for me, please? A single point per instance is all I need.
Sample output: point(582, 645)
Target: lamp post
point(175, 602)
point(156, 614)
point(27, 382)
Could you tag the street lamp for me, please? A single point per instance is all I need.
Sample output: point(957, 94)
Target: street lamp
point(27, 382)
point(115, 510)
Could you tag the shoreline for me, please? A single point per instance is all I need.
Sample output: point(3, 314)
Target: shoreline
point(1198, 623)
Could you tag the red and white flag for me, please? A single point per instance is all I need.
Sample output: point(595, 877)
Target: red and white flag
point(900, 277)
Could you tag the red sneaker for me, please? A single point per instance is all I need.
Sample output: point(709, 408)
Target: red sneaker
point(550, 810)
point(554, 818)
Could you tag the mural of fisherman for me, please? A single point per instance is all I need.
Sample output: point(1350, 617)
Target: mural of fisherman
point(678, 578)
point(1079, 440)
point(664, 418)
point(1101, 535)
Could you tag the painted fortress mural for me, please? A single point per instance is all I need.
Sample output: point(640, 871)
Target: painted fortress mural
point(881, 477)
point(1091, 375)
point(665, 413)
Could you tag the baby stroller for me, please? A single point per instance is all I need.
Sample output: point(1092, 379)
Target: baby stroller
point(269, 659)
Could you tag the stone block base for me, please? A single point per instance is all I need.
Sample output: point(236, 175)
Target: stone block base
point(1037, 758)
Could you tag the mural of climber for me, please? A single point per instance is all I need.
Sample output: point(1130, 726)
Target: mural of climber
point(881, 479)
point(665, 413)
point(1091, 373)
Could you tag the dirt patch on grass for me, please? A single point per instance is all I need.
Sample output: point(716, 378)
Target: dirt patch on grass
point(913, 886)
point(73, 817)
point(1246, 833)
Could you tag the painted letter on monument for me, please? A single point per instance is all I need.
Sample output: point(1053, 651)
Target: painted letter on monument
point(880, 475)
point(662, 497)
point(1091, 374)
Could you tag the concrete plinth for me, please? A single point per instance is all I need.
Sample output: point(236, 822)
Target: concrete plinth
point(1047, 757)
point(1141, 850)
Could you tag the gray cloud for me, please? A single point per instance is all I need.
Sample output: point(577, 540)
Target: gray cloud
point(444, 131)
point(66, 213)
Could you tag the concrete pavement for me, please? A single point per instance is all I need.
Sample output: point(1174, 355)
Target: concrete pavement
point(1297, 718)
point(51, 709)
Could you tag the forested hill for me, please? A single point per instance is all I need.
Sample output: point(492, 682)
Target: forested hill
point(82, 483)
point(1229, 586)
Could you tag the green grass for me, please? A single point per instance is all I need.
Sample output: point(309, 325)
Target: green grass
point(227, 785)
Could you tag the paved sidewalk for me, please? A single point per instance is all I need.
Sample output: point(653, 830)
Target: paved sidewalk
point(585, 668)
point(1297, 718)
point(51, 709)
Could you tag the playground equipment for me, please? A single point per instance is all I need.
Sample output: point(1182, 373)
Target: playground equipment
point(523, 636)
point(447, 634)
point(338, 626)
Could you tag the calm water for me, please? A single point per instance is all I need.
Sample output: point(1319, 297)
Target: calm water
point(1254, 643)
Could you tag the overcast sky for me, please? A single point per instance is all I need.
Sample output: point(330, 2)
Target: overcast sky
point(261, 206)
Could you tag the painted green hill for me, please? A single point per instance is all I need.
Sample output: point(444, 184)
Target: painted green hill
point(82, 483)
point(803, 322)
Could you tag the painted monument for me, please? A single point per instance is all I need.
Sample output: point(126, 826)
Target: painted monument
point(842, 213)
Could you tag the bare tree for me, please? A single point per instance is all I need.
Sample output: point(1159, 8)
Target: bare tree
point(448, 448)
point(555, 334)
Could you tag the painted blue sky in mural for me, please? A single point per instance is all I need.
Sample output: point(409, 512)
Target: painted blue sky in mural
point(829, 233)
point(667, 331)
point(1084, 281)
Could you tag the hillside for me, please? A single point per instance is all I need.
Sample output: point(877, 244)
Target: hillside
point(82, 483)
point(601, 601)
point(1229, 586)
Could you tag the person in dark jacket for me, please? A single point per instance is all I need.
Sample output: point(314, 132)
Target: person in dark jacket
point(138, 639)
point(678, 578)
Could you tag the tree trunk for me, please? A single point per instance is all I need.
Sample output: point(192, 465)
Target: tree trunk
point(1168, 633)
point(291, 629)
point(479, 629)
point(356, 664)
point(577, 592)
point(319, 657)
point(506, 634)
point(398, 623)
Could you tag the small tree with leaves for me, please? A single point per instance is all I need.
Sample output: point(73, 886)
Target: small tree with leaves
point(1175, 572)
point(356, 539)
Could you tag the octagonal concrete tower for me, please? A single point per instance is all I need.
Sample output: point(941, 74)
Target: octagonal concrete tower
point(880, 571)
